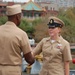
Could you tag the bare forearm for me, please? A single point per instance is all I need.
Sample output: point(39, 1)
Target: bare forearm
point(66, 68)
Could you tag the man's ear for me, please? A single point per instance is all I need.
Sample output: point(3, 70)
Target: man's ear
point(17, 17)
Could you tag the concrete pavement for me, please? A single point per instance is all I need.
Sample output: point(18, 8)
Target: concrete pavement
point(23, 73)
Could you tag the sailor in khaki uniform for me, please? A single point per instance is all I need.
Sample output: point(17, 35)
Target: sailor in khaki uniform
point(13, 41)
point(55, 50)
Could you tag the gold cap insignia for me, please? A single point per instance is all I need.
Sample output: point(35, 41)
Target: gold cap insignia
point(51, 21)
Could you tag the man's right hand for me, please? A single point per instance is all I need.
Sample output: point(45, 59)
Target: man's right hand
point(29, 58)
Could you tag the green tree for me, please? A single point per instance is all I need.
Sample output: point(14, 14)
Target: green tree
point(3, 20)
point(68, 17)
point(27, 27)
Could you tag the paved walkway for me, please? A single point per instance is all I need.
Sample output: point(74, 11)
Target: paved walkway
point(72, 72)
point(28, 74)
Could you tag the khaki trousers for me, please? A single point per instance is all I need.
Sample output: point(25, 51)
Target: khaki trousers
point(10, 70)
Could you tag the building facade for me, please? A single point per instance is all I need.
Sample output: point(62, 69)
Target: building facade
point(60, 3)
point(3, 8)
point(70, 3)
point(32, 9)
point(44, 1)
point(74, 3)
point(1, 0)
point(50, 5)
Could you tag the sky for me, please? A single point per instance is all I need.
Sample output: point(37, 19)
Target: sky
point(17, 0)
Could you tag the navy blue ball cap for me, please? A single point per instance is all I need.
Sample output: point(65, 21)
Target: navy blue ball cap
point(55, 22)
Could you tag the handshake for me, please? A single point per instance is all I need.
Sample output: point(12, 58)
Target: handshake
point(39, 57)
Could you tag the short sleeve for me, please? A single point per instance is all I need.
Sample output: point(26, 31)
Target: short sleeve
point(25, 45)
point(38, 48)
point(67, 52)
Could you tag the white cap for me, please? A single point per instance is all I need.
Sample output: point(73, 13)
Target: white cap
point(14, 9)
point(57, 20)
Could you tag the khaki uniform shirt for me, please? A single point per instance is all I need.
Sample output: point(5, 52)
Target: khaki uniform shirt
point(54, 55)
point(13, 41)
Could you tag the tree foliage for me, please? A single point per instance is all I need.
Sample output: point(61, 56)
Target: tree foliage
point(38, 27)
point(68, 17)
point(3, 20)
point(27, 27)
point(68, 31)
